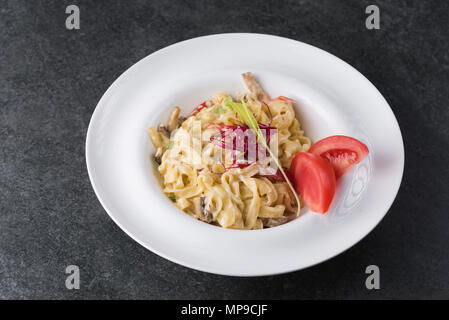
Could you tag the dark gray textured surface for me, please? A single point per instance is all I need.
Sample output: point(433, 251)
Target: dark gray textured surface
point(51, 80)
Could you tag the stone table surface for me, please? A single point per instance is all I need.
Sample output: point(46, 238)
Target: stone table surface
point(51, 80)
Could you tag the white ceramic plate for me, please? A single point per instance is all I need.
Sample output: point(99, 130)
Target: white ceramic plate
point(331, 98)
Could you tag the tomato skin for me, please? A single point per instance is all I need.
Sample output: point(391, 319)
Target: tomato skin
point(282, 98)
point(314, 180)
point(341, 151)
point(199, 108)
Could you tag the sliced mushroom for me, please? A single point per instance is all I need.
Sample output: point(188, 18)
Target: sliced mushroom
point(173, 120)
point(181, 119)
point(274, 222)
point(158, 155)
point(161, 136)
point(199, 207)
point(254, 87)
point(163, 130)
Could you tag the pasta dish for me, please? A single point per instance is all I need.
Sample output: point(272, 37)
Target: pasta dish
point(245, 163)
point(218, 170)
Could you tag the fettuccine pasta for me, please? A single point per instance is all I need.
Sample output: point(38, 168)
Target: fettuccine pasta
point(238, 195)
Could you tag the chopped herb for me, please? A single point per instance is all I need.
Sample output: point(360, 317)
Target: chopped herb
point(218, 110)
point(172, 196)
point(170, 144)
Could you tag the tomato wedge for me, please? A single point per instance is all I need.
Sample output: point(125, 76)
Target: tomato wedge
point(314, 180)
point(341, 151)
